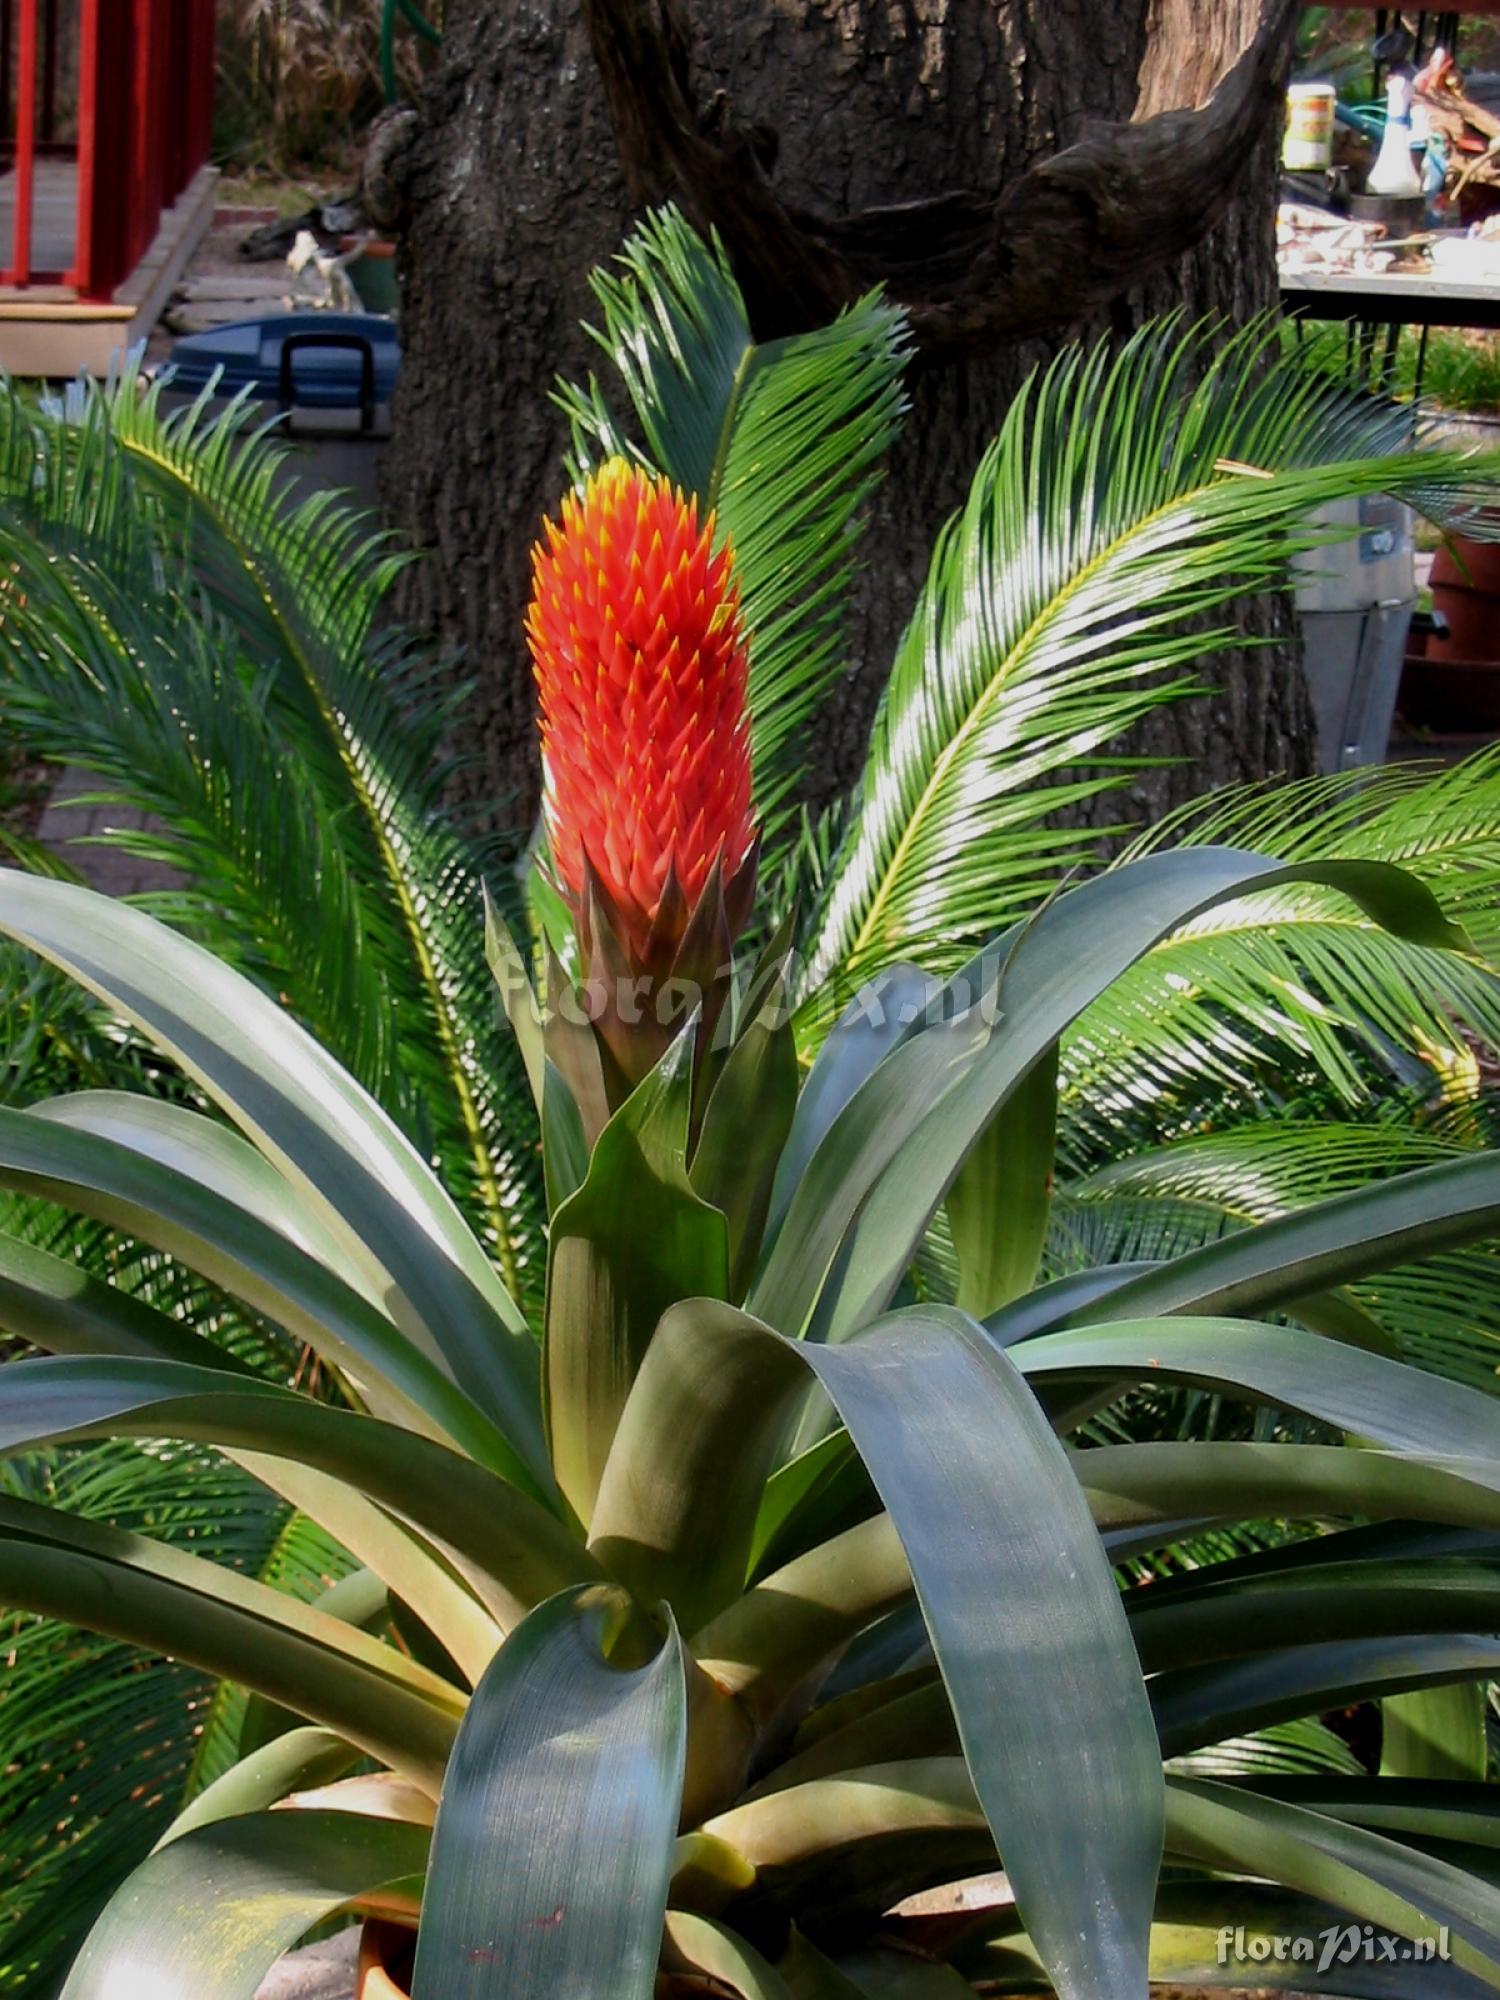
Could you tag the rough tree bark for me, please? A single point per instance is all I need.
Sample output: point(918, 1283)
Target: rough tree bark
point(513, 187)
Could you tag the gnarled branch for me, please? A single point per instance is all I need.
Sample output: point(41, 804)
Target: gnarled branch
point(971, 269)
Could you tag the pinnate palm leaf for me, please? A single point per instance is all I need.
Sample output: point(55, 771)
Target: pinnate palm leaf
point(1127, 492)
point(782, 439)
point(1444, 1311)
point(310, 797)
point(102, 1744)
point(1291, 981)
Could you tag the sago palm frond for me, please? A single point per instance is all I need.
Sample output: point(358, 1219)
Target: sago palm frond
point(1127, 492)
point(783, 440)
point(334, 724)
point(1444, 1312)
point(154, 702)
point(102, 1744)
point(1289, 1749)
point(1296, 976)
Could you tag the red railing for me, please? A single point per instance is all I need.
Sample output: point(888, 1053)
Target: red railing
point(124, 90)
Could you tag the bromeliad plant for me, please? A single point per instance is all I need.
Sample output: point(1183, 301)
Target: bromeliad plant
point(768, 1571)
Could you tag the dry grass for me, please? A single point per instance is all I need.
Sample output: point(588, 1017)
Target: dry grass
point(298, 77)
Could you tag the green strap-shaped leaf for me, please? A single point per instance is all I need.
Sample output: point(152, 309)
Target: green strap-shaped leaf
point(883, 1974)
point(1417, 1809)
point(313, 1121)
point(258, 1260)
point(294, 1762)
point(142, 1591)
point(1288, 1648)
point(633, 1240)
point(1053, 1714)
point(871, 1211)
point(1384, 1400)
point(62, 1308)
point(213, 1155)
point(1251, 1612)
point(554, 1838)
point(1200, 1705)
point(802, 1616)
point(865, 1138)
point(779, 1632)
point(1204, 1936)
point(1437, 1734)
point(58, 1305)
point(998, 1206)
point(512, 1551)
point(517, 995)
point(885, 1011)
point(1129, 1485)
point(805, 1500)
point(677, 1504)
point(1351, 1236)
point(1028, 1629)
point(1374, 1878)
point(707, 1951)
point(1059, 1301)
point(811, 1976)
point(745, 1127)
point(211, 1913)
point(781, 1831)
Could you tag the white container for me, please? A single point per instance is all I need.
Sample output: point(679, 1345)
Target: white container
point(1395, 171)
point(1307, 147)
point(1355, 600)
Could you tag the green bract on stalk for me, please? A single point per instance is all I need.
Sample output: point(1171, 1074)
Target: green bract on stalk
point(983, 1387)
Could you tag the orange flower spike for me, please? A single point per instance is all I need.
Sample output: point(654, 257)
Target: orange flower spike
point(641, 669)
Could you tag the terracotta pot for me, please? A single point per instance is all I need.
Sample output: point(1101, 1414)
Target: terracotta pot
point(385, 1956)
point(1473, 619)
point(1467, 565)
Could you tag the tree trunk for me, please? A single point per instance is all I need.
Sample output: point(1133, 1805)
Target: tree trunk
point(515, 190)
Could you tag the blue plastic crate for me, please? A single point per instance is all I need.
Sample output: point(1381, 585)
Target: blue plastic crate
point(306, 362)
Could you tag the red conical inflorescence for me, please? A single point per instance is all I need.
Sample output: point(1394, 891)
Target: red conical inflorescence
point(641, 668)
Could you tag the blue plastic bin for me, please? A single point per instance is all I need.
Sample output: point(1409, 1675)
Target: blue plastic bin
point(329, 375)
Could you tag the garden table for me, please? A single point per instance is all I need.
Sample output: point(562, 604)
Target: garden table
point(1376, 305)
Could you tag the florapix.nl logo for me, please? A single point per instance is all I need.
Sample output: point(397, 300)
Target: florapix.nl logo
point(1338, 1944)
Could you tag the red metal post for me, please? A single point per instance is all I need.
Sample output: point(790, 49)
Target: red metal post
point(49, 73)
point(188, 135)
point(102, 255)
point(145, 125)
point(7, 43)
point(149, 150)
point(196, 110)
point(175, 168)
point(84, 247)
point(19, 270)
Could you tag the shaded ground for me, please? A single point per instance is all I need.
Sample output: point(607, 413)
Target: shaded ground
point(326, 1972)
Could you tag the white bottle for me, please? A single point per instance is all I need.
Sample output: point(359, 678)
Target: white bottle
point(1395, 171)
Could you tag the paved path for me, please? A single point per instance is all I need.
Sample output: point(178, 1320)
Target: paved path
point(66, 827)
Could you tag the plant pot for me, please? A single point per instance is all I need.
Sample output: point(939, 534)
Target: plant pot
point(385, 1961)
point(1468, 565)
point(373, 275)
point(1451, 696)
point(1473, 621)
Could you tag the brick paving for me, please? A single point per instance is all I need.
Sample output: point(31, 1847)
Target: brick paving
point(67, 827)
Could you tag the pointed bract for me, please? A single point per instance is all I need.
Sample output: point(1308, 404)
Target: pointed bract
point(641, 669)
